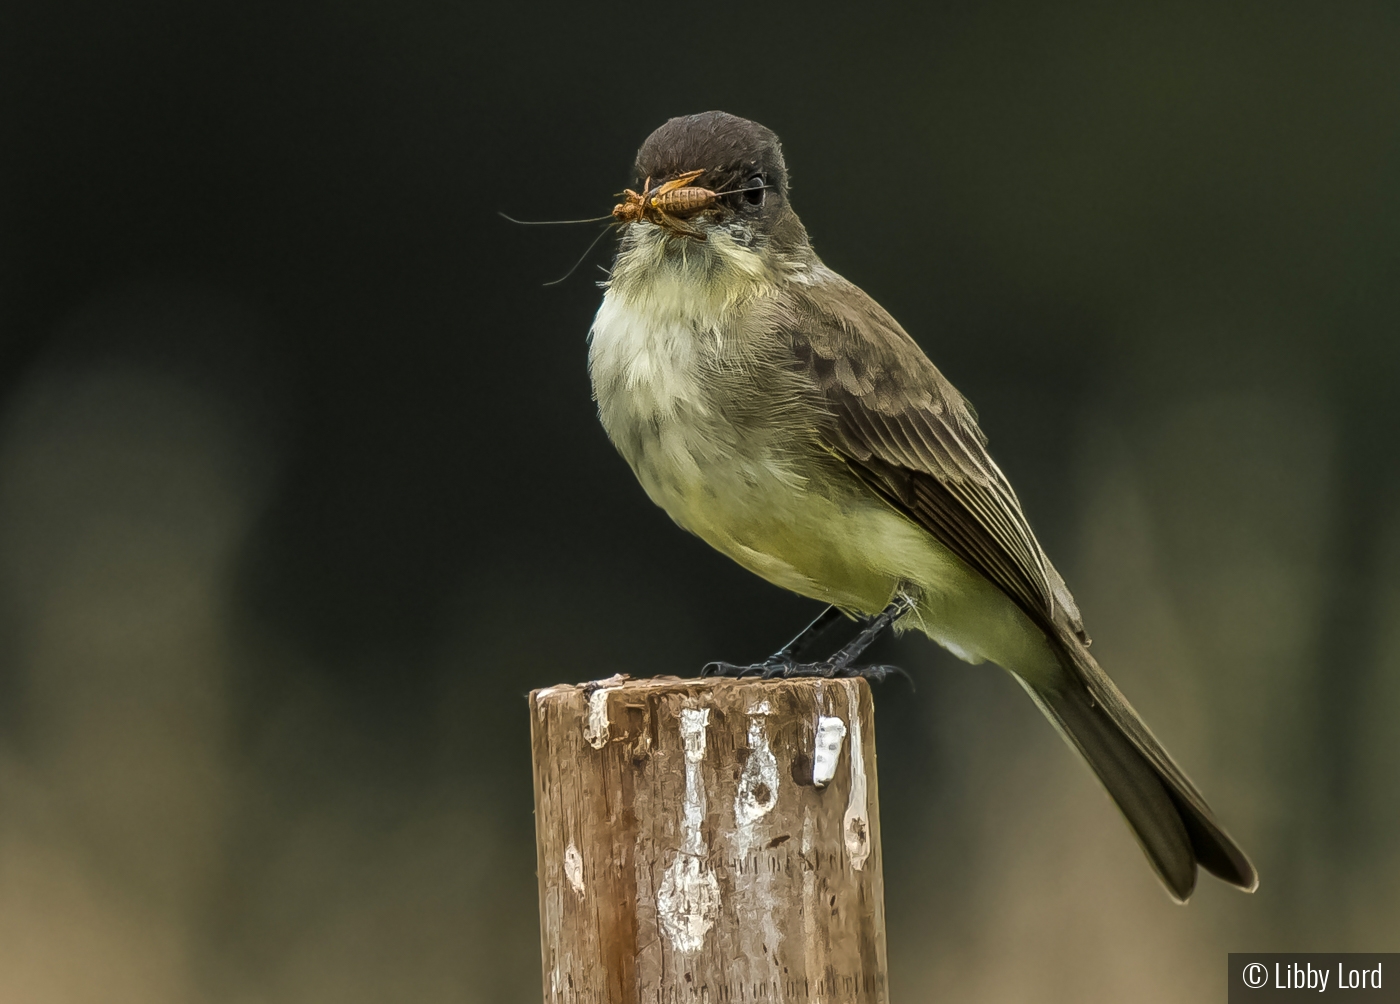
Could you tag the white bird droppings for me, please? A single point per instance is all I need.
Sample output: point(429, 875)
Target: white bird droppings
point(758, 786)
point(693, 724)
point(857, 822)
point(595, 724)
point(754, 798)
point(573, 867)
point(827, 754)
point(687, 902)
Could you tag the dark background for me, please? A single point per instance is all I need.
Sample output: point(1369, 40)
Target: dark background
point(301, 488)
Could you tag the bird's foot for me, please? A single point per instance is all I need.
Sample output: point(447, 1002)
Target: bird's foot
point(782, 664)
point(767, 669)
point(786, 669)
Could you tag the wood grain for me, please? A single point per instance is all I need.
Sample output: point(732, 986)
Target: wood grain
point(686, 852)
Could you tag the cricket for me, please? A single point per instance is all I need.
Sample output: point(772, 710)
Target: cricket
point(668, 205)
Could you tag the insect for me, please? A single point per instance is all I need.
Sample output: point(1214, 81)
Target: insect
point(668, 205)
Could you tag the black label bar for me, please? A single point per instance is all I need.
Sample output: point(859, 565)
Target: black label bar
point(1339, 977)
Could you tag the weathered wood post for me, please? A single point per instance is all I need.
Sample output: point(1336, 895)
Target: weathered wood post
point(708, 840)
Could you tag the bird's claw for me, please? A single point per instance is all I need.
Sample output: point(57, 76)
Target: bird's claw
point(767, 669)
point(786, 669)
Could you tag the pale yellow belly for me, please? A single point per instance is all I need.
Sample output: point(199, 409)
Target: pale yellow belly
point(843, 545)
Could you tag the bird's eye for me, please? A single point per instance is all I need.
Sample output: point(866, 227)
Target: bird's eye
point(756, 189)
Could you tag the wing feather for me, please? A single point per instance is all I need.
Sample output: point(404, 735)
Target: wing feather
point(907, 432)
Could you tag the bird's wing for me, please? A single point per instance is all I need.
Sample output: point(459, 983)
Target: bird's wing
point(908, 433)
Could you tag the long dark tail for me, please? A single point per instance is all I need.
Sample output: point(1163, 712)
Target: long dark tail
point(1167, 814)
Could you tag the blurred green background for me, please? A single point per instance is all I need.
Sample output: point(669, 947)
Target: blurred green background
point(301, 488)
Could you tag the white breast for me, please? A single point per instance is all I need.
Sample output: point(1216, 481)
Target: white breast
point(645, 351)
point(668, 322)
point(667, 346)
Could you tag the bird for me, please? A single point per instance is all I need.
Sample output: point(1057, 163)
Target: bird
point(775, 410)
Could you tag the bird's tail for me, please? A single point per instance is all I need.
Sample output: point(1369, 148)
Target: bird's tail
point(1167, 814)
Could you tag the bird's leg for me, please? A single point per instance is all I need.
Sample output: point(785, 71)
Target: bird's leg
point(805, 637)
point(783, 663)
point(783, 659)
point(840, 663)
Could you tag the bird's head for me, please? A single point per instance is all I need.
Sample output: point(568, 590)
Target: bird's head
point(713, 175)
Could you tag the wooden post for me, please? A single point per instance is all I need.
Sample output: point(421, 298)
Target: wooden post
point(712, 841)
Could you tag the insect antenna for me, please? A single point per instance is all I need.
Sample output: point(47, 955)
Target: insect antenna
point(601, 234)
point(550, 223)
point(736, 191)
